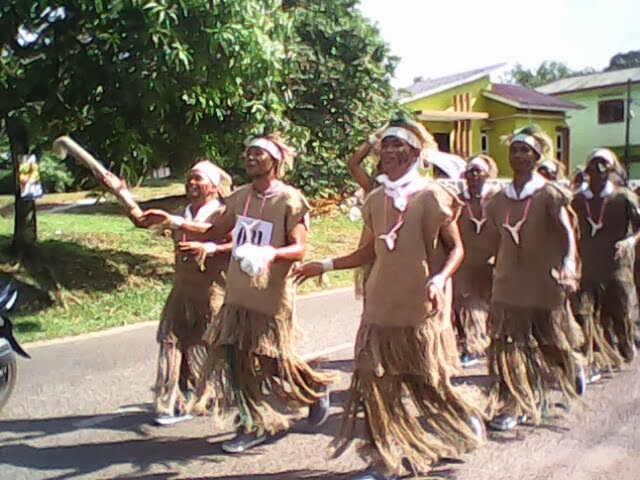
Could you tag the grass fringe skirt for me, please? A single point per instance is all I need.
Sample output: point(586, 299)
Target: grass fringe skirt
point(411, 410)
point(532, 352)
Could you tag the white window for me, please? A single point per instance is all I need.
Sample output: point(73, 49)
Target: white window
point(484, 143)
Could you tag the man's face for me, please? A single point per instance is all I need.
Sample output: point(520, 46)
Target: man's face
point(598, 169)
point(395, 155)
point(522, 158)
point(199, 187)
point(258, 162)
point(475, 177)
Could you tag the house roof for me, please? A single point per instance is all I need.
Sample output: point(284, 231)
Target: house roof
point(591, 81)
point(430, 86)
point(527, 99)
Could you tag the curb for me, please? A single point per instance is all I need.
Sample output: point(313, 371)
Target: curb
point(147, 323)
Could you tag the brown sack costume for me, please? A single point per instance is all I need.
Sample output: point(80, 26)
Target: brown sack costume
point(533, 335)
point(254, 333)
point(604, 303)
point(195, 298)
point(472, 281)
point(399, 350)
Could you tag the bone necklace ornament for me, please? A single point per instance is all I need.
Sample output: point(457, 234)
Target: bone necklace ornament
point(595, 226)
point(391, 236)
point(477, 222)
point(514, 230)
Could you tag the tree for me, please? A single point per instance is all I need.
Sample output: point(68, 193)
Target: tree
point(141, 82)
point(339, 76)
point(624, 60)
point(547, 72)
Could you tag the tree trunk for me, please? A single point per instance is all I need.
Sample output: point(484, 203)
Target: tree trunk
point(25, 230)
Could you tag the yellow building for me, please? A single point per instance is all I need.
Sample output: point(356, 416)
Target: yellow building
point(468, 114)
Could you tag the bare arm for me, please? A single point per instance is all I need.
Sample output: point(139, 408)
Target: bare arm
point(222, 225)
point(354, 164)
point(294, 252)
point(362, 256)
point(455, 250)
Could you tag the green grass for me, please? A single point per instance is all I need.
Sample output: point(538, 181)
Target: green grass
point(108, 273)
point(148, 190)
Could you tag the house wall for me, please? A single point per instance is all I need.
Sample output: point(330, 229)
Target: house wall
point(503, 119)
point(443, 101)
point(587, 133)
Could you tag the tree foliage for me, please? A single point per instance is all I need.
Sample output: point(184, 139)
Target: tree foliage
point(152, 82)
point(339, 80)
point(621, 61)
point(547, 72)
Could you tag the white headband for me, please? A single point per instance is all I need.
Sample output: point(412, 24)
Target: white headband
point(267, 145)
point(529, 140)
point(603, 153)
point(549, 165)
point(478, 162)
point(209, 170)
point(403, 134)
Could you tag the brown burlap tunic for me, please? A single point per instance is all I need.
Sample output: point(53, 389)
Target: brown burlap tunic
point(194, 300)
point(533, 334)
point(472, 281)
point(399, 348)
point(255, 328)
point(605, 301)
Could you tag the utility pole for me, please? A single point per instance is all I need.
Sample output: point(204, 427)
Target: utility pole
point(627, 125)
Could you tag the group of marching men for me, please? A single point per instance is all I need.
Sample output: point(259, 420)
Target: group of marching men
point(537, 276)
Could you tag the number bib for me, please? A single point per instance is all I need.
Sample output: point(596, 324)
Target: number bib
point(251, 230)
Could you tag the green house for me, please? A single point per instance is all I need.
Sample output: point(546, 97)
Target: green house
point(468, 114)
point(606, 116)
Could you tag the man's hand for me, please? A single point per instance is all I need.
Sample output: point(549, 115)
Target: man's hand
point(195, 249)
point(435, 295)
point(154, 217)
point(307, 271)
point(625, 247)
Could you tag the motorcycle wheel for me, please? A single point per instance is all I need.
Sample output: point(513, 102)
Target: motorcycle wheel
point(8, 371)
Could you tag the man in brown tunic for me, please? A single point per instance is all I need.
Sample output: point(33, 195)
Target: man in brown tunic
point(254, 332)
point(472, 281)
point(195, 298)
point(399, 352)
point(533, 334)
point(608, 219)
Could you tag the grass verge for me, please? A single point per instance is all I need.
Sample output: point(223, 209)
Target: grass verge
point(108, 273)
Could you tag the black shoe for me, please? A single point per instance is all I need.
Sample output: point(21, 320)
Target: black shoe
point(319, 410)
point(594, 375)
point(581, 380)
point(505, 422)
point(468, 360)
point(373, 474)
point(243, 441)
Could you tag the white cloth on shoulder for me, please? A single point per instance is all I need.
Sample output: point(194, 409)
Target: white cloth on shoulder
point(400, 190)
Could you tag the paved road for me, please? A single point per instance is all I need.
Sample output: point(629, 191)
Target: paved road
point(81, 410)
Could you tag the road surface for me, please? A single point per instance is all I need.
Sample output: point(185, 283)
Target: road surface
point(81, 410)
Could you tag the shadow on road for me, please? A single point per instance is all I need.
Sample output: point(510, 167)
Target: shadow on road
point(32, 429)
point(89, 458)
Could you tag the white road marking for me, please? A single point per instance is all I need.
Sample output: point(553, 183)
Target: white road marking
point(327, 351)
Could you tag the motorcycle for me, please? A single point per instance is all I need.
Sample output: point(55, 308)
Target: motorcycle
point(9, 346)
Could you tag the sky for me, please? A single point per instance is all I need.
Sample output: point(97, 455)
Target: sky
point(435, 38)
